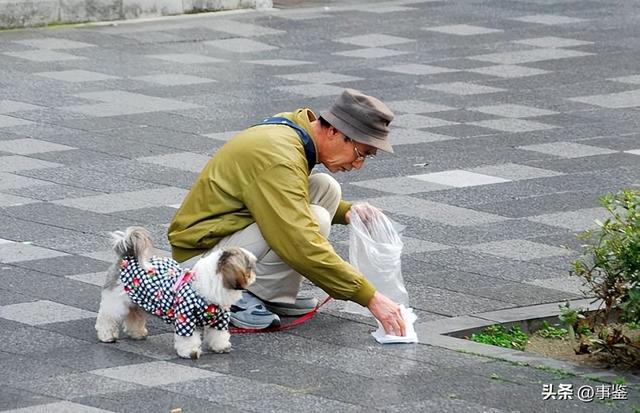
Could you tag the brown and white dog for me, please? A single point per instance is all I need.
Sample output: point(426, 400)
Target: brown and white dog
point(192, 300)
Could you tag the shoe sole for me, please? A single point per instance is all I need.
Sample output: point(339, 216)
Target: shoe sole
point(242, 324)
point(288, 312)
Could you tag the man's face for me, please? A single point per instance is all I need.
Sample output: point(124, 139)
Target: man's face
point(344, 154)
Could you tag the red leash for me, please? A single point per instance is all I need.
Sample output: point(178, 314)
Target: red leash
point(294, 323)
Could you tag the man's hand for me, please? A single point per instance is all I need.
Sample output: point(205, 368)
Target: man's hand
point(388, 313)
point(365, 211)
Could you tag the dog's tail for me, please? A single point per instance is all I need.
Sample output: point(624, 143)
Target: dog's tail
point(134, 241)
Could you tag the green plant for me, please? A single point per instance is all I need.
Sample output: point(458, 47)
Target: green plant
point(610, 264)
point(549, 331)
point(570, 316)
point(497, 335)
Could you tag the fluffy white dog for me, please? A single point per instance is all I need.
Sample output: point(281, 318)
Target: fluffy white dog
point(139, 282)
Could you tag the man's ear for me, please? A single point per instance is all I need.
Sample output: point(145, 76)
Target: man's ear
point(333, 133)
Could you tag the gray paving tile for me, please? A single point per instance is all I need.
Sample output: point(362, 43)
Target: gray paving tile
point(459, 178)
point(312, 90)
point(514, 111)
point(579, 220)
point(417, 69)
point(513, 125)
point(10, 121)
point(514, 172)
point(30, 146)
point(59, 407)
point(529, 56)
point(187, 58)
point(370, 53)
point(20, 399)
point(185, 161)
point(374, 40)
point(156, 373)
point(549, 19)
point(75, 76)
point(44, 55)
point(551, 42)
point(628, 99)
point(463, 30)
point(18, 251)
point(402, 136)
point(153, 400)
point(15, 163)
point(433, 211)
point(493, 266)
point(176, 79)
point(53, 43)
point(567, 149)
point(238, 45)
point(9, 106)
point(413, 121)
point(42, 312)
point(508, 71)
point(519, 249)
point(64, 265)
point(401, 185)
point(49, 192)
point(13, 200)
point(29, 340)
point(72, 386)
point(462, 88)
point(319, 77)
point(244, 29)
point(125, 201)
point(42, 286)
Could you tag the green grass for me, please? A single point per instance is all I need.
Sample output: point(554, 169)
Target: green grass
point(497, 335)
point(549, 331)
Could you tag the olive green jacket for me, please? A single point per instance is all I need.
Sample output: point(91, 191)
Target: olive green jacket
point(261, 175)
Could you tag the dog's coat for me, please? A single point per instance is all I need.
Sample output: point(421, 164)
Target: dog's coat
point(152, 290)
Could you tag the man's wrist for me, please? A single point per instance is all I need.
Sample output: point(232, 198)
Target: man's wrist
point(364, 295)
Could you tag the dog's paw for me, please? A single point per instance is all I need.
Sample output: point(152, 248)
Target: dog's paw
point(192, 354)
point(223, 349)
point(137, 334)
point(107, 336)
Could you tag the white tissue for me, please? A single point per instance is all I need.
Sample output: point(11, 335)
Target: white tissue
point(410, 337)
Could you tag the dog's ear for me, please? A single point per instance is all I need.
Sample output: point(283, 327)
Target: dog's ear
point(236, 269)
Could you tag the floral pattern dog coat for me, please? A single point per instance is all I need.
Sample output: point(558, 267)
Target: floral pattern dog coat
point(153, 291)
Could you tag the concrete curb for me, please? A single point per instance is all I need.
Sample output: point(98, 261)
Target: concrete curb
point(19, 13)
point(445, 333)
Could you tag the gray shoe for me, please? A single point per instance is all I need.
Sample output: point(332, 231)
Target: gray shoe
point(303, 305)
point(250, 312)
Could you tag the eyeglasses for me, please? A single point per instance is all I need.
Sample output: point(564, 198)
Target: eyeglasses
point(360, 157)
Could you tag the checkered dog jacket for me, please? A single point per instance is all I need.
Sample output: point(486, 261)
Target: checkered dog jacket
point(153, 291)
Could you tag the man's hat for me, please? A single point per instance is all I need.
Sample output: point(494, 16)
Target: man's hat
point(361, 118)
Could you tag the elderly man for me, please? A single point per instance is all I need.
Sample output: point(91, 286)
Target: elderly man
point(257, 192)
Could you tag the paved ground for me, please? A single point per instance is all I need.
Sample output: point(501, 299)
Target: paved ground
point(512, 118)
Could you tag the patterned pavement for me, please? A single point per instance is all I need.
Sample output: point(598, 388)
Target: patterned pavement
point(512, 118)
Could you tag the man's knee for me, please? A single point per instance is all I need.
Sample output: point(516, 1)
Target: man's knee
point(325, 191)
point(325, 183)
point(322, 218)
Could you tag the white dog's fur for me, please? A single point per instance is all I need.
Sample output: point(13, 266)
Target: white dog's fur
point(218, 278)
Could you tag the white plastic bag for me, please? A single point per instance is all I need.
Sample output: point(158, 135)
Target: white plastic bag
point(375, 248)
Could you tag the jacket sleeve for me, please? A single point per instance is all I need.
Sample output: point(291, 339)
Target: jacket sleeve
point(278, 200)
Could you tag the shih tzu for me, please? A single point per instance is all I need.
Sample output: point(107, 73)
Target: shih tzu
point(192, 300)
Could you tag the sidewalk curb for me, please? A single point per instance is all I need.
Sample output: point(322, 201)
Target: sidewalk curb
point(445, 333)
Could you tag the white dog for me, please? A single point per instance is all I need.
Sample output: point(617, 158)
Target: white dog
point(140, 282)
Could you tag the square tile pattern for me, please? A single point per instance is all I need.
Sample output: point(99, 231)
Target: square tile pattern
point(493, 105)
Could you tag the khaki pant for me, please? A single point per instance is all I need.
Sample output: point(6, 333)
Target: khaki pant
point(275, 280)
